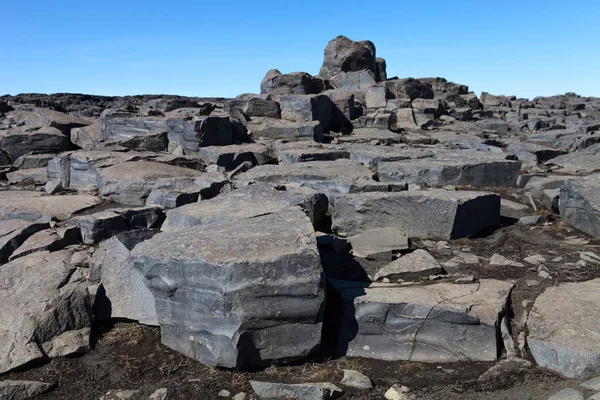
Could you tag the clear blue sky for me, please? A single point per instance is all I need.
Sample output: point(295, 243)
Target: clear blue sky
point(223, 48)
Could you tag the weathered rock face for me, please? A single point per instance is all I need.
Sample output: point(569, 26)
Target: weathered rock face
point(44, 140)
point(425, 214)
point(433, 323)
point(39, 304)
point(249, 202)
point(224, 277)
point(345, 55)
point(579, 204)
point(562, 336)
point(31, 206)
point(277, 83)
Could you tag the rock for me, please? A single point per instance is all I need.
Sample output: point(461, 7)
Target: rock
point(240, 396)
point(15, 232)
point(535, 259)
point(304, 391)
point(224, 393)
point(576, 163)
point(435, 214)
point(105, 224)
point(358, 81)
point(533, 220)
point(47, 240)
point(256, 107)
point(440, 322)
point(340, 176)
point(579, 204)
point(269, 128)
point(88, 137)
point(33, 176)
point(511, 209)
point(567, 394)
point(562, 337)
point(38, 305)
point(44, 140)
point(232, 156)
point(378, 240)
point(248, 202)
point(31, 206)
point(239, 323)
point(53, 187)
point(276, 83)
point(356, 380)
point(409, 88)
point(398, 392)
point(124, 292)
point(120, 394)
point(130, 183)
point(345, 55)
point(29, 161)
point(414, 265)
point(159, 394)
point(592, 384)
point(305, 108)
point(70, 343)
point(498, 260)
point(457, 170)
point(23, 390)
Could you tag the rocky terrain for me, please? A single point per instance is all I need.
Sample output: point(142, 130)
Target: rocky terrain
point(347, 235)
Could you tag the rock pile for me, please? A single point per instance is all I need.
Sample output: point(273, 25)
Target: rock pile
point(248, 228)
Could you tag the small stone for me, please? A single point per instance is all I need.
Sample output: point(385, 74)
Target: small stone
point(557, 259)
point(589, 257)
point(535, 259)
point(533, 220)
point(498, 260)
point(574, 240)
point(544, 274)
point(398, 392)
point(526, 303)
point(356, 380)
point(53, 187)
point(120, 394)
point(224, 393)
point(567, 394)
point(385, 280)
point(507, 339)
point(159, 394)
point(592, 384)
point(532, 283)
point(581, 264)
point(240, 396)
point(521, 344)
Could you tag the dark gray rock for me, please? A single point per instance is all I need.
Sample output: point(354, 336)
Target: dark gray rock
point(256, 107)
point(409, 88)
point(14, 232)
point(277, 83)
point(436, 323)
point(353, 81)
point(305, 108)
point(223, 278)
point(28, 161)
point(23, 390)
point(39, 305)
point(304, 391)
point(269, 128)
point(579, 204)
point(232, 156)
point(44, 140)
point(345, 55)
point(434, 214)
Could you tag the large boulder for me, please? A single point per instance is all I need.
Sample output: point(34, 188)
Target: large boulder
point(31, 206)
point(241, 294)
point(273, 129)
point(249, 202)
point(276, 83)
point(438, 323)
point(124, 293)
point(305, 108)
point(579, 204)
point(39, 305)
point(44, 140)
point(435, 214)
point(345, 55)
point(563, 334)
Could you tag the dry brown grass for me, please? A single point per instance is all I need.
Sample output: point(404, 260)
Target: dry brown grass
point(409, 368)
point(126, 333)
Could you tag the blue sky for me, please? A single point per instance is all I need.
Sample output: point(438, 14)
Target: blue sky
point(211, 48)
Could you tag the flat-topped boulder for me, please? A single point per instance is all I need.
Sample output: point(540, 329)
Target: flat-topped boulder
point(466, 169)
point(579, 204)
point(232, 156)
point(436, 323)
point(576, 163)
point(31, 206)
point(340, 176)
point(273, 129)
point(433, 214)
point(248, 202)
point(564, 335)
point(17, 142)
point(39, 305)
point(241, 294)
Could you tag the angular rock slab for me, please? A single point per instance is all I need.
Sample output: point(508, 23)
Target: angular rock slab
point(240, 294)
point(579, 204)
point(38, 305)
point(461, 172)
point(31, 206)
point(304, 391)
point(248, 202)
point(23, 390)
point(15, 232)
point(432, 214)
point(443, 322)
point(564, 335)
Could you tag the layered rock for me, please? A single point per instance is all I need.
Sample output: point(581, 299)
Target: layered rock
point(252, 289)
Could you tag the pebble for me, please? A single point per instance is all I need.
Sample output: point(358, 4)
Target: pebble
point(159, 394)
point(535, 259)
point(356, 380)
point(224, 393)
point(398, 392)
